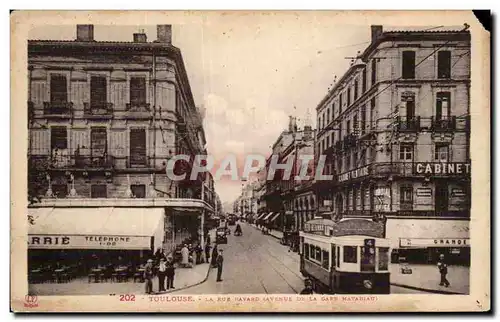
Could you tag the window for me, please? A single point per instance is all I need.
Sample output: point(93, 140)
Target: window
point(348, 127)
point(312, 252)
point(58, 137)
point(350, 254)
point(372, 113)
point(339, 164)
point(333, 111)
point(340, 103)
point(98, 89)
point(408, 65)
point(442, 105)
point(409, 101)
point(318, 254)
point(348, 161)
point(333, 137)
point(319, 122)
point(327, 142)
point(324, 120)
point(58, 88)
point(363, 119)
point(356, 84)
point(441, 152)
point(138, 91)
point(306, 251)
point(383, 258)
point(374, 71)
point(355, 124)
point(363, 78)
point(338, 256)
point(60, 190)
point(138, 190)
point(406, 194)
point(98, 191)
point(327, 117)
point(326, 259)
point(348, 97)
point(406, 152)
point(98, 141)
point(444, 64)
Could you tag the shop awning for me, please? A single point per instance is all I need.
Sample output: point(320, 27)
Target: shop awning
point(96, 228)
point(261, 216)
point(410, 233)
point(268, 216)
point(273, 218)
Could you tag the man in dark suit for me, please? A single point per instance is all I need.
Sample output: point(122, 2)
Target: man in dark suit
point(220, 262)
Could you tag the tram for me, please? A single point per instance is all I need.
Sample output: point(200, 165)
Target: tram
point(346, 257)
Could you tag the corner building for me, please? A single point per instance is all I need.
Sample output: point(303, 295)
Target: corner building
point(396, 132)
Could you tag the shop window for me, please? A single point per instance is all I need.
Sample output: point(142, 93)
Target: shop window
point(58, 137)
point(60, 190)
point(138, 91)
point(98, 191)
point(441, 152)
point(383, 259)
point(138, 190)
point(350, 254)
point(406, 152)
point(58, 88)
point(326, 259)
point(444, 64)
point(408, 65)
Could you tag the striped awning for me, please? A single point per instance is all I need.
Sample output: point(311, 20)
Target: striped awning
point(276, 216)
point(261, 216)
point(268, 216)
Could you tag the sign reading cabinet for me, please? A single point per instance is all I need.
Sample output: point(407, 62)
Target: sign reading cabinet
point(436, 168)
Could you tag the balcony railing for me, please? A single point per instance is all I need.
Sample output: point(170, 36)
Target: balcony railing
point(408, 124)
point(444, 124)
point(138, 107)
point(57, 108)
point(74, 162)
point(98, 109)
point(137, 161)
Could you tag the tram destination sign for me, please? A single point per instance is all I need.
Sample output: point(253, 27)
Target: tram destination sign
point(437, 168)
point(361, 227)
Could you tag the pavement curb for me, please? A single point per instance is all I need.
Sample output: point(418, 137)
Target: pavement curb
point(426, 289)
point(189, 286)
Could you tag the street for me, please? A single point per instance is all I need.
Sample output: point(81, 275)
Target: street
point(258, 264)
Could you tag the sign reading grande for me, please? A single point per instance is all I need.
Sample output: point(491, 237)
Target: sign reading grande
point(434, 242)
point(88, 242)
point(434, 168)
point(357, 173)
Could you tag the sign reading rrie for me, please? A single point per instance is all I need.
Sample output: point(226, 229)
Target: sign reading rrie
point(442, 168)
point(430, 242)
point(357, 173)
point(88, 242)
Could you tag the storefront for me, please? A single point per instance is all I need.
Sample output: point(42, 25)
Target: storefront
point(423, 240)
point(88, 237)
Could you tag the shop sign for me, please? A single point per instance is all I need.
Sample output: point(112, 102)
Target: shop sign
point(357, 173)
point(435, 168)
point(431, 242)
point(88, 242)
point(424, 192)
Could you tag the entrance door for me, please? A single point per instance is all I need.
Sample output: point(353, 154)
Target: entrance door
point(137, 148)
point(441, 197)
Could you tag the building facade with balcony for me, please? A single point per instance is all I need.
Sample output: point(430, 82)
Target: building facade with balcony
point(104, 119)
point(400, 150)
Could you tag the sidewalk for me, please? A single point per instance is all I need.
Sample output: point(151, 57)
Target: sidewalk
point(427, 278)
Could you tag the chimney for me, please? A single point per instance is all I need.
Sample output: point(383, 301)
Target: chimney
point(140, 37)
point(377, 31)
point(85, 32)
point(164, 33)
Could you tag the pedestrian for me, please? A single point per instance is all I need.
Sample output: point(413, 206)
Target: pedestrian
point(443, 270)
point(162, 269)
point(148, 276)
point(194, 256)
point(208, 238)
point(185, 256)
point(220, 262)
point(207, 252)
point(215, 252)
point(170, 272)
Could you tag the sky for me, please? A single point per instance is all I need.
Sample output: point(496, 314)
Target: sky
point(250, 76)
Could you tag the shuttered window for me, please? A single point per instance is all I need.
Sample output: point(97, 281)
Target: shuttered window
point(137, 147)
point(58, 137)
point(98, 89)
point(137, 91)
point(58, 88)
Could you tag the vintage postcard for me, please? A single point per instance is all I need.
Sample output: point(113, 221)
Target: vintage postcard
point(266, 161)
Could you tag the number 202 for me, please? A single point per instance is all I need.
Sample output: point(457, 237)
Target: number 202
point(127, 297)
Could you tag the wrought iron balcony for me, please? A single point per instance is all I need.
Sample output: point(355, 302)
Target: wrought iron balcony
point(103, 109)
point(58, 109)
point(137, 161)
point(408, 124)
point(74, 162)
point(444, 124)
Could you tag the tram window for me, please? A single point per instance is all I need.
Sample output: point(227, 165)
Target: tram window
point(306, 251)
point(350, 254)
point(318, 254)
point(326, 259)
point(383, 258)
point(338, 256)
point(311, 252)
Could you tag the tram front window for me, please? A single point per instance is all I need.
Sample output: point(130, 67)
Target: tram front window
point(368, 256)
